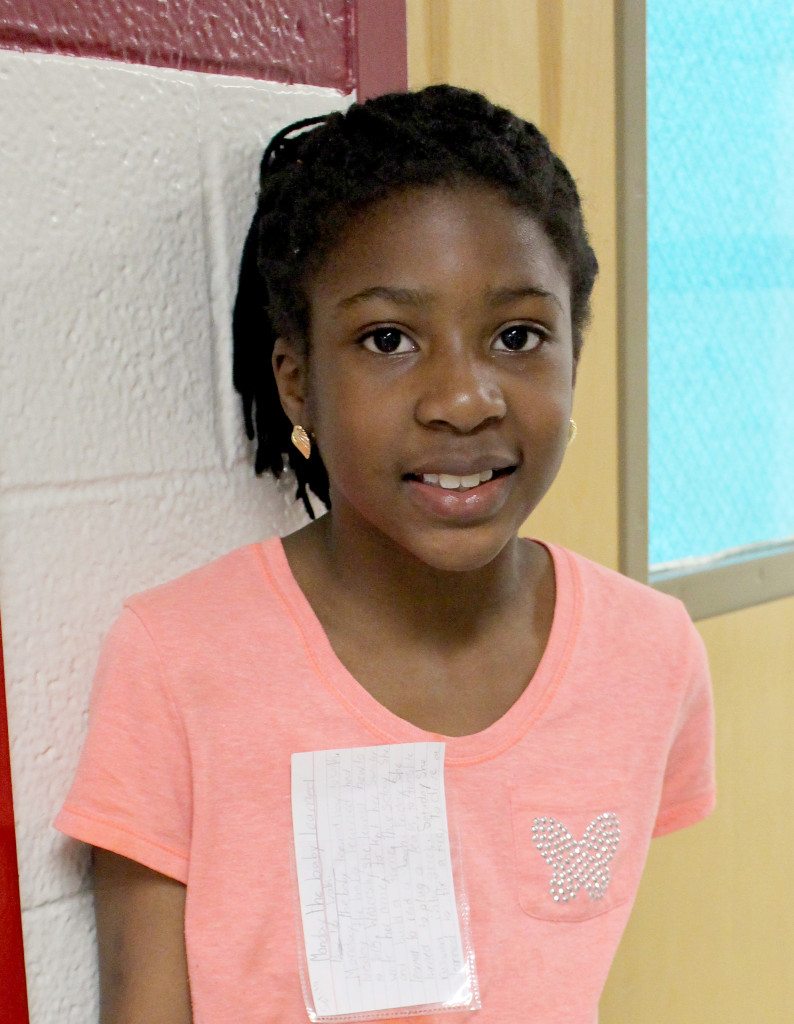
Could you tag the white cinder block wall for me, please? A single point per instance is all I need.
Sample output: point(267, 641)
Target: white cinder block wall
point(125, 194)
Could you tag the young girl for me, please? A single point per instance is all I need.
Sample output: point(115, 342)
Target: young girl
point(407, 330)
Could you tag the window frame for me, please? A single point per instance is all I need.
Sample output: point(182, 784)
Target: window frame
point(707, 586)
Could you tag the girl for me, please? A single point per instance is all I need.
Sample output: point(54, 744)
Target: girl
point(407, 334)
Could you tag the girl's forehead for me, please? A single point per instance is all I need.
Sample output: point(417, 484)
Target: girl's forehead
point(431, 233)
point(466, 202)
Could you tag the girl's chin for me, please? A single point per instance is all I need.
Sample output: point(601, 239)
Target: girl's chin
point(461, 554)
point(454, 532)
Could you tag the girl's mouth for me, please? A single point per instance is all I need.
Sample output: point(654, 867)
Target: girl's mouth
point(451, 482)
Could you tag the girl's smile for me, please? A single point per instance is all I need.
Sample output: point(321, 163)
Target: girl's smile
point(465, 498)
point(439, 376)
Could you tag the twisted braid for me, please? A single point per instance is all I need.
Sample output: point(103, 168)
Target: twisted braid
point(319, 173)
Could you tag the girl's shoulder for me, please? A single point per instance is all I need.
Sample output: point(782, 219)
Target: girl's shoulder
point(219, 591)
point(641, 639)
point(611, 598)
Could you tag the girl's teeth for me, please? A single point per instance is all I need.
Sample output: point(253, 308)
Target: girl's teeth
point(457, 483)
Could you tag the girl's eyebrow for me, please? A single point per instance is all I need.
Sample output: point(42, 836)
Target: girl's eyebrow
point(417, 297)
point(503, 296)
point(400, 296)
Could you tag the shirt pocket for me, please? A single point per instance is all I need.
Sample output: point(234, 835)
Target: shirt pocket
point(573, 863)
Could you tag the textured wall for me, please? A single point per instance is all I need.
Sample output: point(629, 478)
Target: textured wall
point(125, 196)
point(306, 41)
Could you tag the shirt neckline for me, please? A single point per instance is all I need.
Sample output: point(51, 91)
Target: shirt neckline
point(390, 728)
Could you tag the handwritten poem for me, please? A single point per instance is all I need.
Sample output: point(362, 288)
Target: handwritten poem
point(375, 884)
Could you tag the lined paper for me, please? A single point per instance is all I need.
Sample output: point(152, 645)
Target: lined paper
point(375, 884)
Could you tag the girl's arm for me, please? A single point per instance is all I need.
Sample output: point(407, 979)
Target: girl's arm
point(140, 917)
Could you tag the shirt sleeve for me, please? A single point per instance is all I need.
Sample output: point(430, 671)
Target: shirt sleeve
point(688, 792)
point(132, 793)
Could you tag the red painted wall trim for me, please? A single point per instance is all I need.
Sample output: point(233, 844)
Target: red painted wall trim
point(343, 44)
point(306, 41)
point(13, 991)
point(382, 45)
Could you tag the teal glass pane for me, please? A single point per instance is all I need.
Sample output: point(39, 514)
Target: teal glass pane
point(720, 275)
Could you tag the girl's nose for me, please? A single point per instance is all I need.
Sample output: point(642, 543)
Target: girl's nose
point(461, 393)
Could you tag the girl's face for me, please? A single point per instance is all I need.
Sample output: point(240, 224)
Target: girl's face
point(440, 373)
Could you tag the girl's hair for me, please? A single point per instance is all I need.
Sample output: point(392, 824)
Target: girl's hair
point(317, 175)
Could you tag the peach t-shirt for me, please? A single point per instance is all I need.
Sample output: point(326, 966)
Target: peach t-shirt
point(207, 685)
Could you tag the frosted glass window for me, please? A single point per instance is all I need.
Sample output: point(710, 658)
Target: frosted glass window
point(720, 274)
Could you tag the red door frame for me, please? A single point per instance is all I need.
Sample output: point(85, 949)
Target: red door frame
point(381, 47)
point(13, 990)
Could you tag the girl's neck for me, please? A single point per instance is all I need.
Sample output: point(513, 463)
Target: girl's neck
point(370, 574)
point(449, 652)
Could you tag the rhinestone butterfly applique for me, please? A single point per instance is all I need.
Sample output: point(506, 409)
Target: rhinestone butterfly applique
point(577, 863)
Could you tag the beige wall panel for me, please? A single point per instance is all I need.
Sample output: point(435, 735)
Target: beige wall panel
point(579, 99)
point(712, 935)
point(465, 42)
point(553, 63)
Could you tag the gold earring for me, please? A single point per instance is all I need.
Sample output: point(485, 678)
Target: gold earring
point(571, 430)
point(301, 440)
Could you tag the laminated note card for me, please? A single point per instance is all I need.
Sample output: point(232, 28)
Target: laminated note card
point(377, 898)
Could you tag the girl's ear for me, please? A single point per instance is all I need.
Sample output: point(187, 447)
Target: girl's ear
point(290, 372)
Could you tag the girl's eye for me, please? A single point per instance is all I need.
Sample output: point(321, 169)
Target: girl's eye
point(519, 338)
point(388, 341)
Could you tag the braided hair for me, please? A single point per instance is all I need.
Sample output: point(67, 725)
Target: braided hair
point(318, 174)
